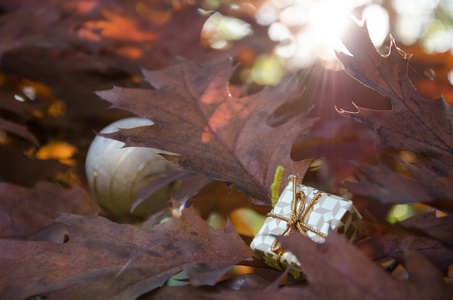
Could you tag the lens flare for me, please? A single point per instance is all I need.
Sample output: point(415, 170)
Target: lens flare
point(177, 212)
point(327, 21)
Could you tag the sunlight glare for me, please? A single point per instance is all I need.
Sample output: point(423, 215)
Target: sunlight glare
point(327, 20)
point(377, 19)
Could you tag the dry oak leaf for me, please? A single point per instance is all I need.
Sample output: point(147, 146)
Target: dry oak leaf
point(46, 23)
point(383, 184)
point(435, 242)
point(214, 133)
point(425, 233)
point(413, 123)
point(105, 260)
point(24, 211)
point(338, 270)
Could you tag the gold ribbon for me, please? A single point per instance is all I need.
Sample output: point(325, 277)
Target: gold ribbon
point(296, 221)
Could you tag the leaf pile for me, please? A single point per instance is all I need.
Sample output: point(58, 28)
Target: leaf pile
point(229, 137)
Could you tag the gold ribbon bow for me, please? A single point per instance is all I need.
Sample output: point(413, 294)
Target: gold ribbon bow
point(296, 221)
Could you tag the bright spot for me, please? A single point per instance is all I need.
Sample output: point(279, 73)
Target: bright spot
point(266, 14)
point(295, 15)
point(19, 98)
point(246, 221)
point(306, 49)
point(438, 38)
point(177, 212)
point(409, 28)
point(377, 19)
point(413, 17)
point(327, 20)
point(216, 220)
point(450, 77)
point(400, 212)
point(56, 150)
point(286, 49)
point(219, 30)
point(267, 70)
point(278, 32)
point(30, 92)
point(414, 7)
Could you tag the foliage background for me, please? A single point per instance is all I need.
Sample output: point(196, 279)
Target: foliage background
point(54, 56)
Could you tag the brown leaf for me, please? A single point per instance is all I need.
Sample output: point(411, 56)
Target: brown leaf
point(18, 129)
point(204, 292)
point(337, 270)
point(24, 211)
point(216, 196)
point(215, 134)
point(246, 287)
point(387, 186)
point(434, 251)
point(37, 24)
point(191, 183)
point(416, 124)
point(433, 240)
point(338, 141)
point(105, 260)
point(437, 228)
point(16, 168)
point(425, 233)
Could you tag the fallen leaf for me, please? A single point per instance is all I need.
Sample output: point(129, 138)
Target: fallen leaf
point(24, 211)
point(337, 270)
point(437, 228)
point(425, 233)
point(249, 286)
point(17, 168)
point(413, 123)
point(429, 235)
point(204, 292)
point(433, 250)
point(37, 24)
point(337, 141)
point(387, 186)
point(215, 134)
point(117, 261)
point(191, 183)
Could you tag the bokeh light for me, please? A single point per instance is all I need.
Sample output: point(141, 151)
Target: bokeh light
point(219, 30)
point(177, 212)
point(308, 32)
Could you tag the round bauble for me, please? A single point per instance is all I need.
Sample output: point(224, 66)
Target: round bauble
point(116, 174)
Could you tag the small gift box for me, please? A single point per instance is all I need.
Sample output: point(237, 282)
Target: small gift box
point(306, 210)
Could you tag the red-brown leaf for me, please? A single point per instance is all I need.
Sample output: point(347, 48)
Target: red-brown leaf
point(215, 134)
point(434, 242)
point(24, 211)
point(105, 260)
point(337, 270)
point(416, 124)
point(385, 185)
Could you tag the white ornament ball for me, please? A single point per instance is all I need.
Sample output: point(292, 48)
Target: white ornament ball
point(116, 175)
